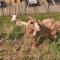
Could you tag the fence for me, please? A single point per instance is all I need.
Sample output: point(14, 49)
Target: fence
point(22, 8)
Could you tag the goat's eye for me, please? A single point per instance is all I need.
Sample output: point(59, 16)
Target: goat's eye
point(31, 23)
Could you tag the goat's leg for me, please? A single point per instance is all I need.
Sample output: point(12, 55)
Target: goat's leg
point(53, 35)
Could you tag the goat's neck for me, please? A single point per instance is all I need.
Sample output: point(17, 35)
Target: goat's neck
point(23, 23)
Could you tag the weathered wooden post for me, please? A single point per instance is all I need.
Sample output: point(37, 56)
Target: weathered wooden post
point(48, 8)
point(2, 7)
point(10, 8)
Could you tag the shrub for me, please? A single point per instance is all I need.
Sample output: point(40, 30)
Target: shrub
point(16, 33)
point(2, 35)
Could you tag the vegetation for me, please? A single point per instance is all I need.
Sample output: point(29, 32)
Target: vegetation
point(56, 16)
point(15, 46)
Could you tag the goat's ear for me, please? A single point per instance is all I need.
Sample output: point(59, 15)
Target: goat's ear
point(39, 21)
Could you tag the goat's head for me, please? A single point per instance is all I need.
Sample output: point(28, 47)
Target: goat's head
point(35, 26)
point(30, 18)
point(14, 18)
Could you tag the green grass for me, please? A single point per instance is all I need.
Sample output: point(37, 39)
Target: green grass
point(8, 28)
point(9, 32)
point(42, 16)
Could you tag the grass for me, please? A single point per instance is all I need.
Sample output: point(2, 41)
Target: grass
point(13, 48)
point(42, 16)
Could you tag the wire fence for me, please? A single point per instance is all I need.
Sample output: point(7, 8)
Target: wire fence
point(22, 8)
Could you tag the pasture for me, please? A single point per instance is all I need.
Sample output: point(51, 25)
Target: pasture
point(15, 46)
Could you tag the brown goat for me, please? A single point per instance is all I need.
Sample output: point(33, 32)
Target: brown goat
point(49, 28)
